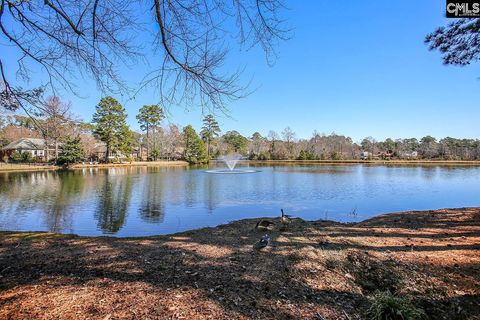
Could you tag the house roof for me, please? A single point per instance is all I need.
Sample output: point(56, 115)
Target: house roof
point(26, 144)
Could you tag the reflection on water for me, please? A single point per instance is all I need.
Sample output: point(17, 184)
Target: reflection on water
point(149, 200)
point(152, 207)
point(114, 198)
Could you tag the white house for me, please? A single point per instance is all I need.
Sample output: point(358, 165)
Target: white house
point(34, 146)
point(410, 155)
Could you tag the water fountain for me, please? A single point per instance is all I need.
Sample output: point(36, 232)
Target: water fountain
point(231, 161)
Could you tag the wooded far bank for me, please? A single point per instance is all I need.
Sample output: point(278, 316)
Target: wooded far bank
point(57, 136)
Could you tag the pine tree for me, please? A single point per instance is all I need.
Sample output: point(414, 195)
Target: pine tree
point(110, 119)
point(149, 118)
point(210, 131)
point(72, 151)
point(126, 143)
point(236, 141)
point(195, 151)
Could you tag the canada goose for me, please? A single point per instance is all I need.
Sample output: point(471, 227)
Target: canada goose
point(285, 218)
point(264, 225)
point(264, 241)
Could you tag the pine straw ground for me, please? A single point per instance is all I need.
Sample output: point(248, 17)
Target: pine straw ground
point(315, 270)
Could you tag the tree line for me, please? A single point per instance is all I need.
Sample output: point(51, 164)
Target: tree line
point(74, 141)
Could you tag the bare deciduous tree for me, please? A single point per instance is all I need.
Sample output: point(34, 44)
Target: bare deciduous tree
point(288, 136)
point(69, 38)
point(57, 116)
point(173, 142)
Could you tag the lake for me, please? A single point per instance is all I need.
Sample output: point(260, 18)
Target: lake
point(141, 201)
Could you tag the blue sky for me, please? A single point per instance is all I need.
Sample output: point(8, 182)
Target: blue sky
point(357, 68)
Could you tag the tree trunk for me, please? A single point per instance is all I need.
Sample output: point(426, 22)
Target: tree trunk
point(107, 152)
point(46, 150)
point(147, 140)
point(154, 143)
point(56, 151)
point(208, 149)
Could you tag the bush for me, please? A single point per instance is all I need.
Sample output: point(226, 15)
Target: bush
point(387, 306)
point(154, 155)
point(264, 156)
point(306, 155)
point(27, 157)
point(336, 156)
point(16, 156)
point(303, 155)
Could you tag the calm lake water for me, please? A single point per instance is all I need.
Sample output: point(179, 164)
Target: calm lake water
point(147, 201)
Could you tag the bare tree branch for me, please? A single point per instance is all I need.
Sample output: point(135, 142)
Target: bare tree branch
point(189, 38)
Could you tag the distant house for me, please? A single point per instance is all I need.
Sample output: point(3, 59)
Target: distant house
point(100, 149)
point(410, 155)
point(385, 155)
point(34, 146)
point(365, 155)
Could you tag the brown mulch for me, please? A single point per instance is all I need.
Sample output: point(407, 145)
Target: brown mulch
point(313, 270)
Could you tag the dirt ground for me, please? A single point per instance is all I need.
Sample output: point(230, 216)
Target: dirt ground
point(313, 270)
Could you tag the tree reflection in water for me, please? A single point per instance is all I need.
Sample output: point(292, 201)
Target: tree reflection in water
point(152, 208)
point(114, 198)
point(68, 186)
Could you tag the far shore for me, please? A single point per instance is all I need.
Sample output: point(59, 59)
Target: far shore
point(25, 167)
point(20, 167)
point(373, 162)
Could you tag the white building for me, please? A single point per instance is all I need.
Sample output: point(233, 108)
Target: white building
point(34, 146)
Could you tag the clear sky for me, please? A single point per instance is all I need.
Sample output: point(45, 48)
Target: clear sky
point(358, 68)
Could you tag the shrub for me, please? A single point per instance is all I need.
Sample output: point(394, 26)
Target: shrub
point(16, 156)
point(264, 156)
point(336, 156)
point(387, 306)
point(155, 154)
point(303, 155)
point(27, 157)
point(306, 155)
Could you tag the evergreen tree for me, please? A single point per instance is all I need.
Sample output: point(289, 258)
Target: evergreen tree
point(149, 118)
point(110, 119)
point(210, 131)
point(303, 155)
point(195, 151)
point(72, 151)
point(236, 141)
point(126, 143)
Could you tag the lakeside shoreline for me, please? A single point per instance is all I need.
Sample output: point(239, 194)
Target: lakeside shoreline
point(313, 270)
point(36, 167)
point(372, 162)
point(253, 221)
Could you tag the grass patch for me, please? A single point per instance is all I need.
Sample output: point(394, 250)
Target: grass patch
point(387, 306)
